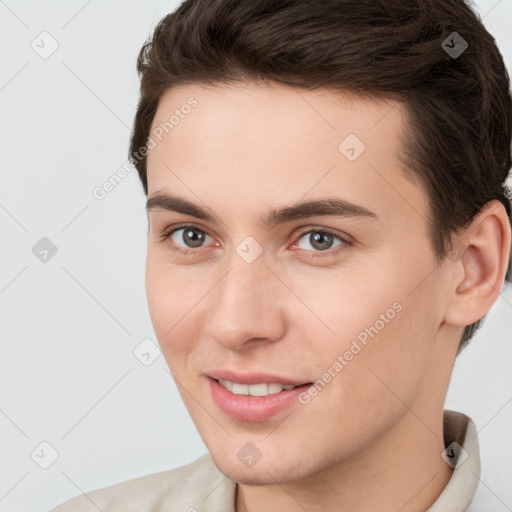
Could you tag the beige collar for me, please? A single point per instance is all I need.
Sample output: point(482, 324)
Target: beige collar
point(463, 454)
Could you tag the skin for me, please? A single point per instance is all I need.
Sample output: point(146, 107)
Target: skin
point(372, 438)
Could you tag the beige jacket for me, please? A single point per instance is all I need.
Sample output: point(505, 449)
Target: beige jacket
point(201, 487)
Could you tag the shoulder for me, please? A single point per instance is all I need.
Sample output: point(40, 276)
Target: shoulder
point(181, 489)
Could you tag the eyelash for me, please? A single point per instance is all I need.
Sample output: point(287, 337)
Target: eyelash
point(322, 254)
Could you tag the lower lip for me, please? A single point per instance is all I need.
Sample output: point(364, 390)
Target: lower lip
point(253, 408)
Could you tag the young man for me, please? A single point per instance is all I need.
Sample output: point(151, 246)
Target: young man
point(328, 227)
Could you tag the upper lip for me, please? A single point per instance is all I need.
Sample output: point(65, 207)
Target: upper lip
point(253, 378)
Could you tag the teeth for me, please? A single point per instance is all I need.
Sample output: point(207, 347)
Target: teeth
point(254, 389)
point(275, 388)
point(240, 389)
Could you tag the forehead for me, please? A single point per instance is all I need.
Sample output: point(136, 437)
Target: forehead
point(266, 110)
point(273, 143)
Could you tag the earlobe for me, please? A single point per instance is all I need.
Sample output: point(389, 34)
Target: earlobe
point(483, 256)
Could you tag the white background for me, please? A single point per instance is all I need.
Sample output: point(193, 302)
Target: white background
point(68, 375)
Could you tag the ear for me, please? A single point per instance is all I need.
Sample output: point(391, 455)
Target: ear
point(481, 256)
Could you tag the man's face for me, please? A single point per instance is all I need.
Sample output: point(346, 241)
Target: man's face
point(348, 301)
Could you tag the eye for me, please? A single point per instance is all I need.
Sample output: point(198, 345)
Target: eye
point(320, 240)
point(186, 239)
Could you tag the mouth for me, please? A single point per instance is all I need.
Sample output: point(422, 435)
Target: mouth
point(257, 399)
point(262, 389)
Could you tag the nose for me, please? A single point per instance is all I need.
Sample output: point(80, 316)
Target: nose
point(245, 306)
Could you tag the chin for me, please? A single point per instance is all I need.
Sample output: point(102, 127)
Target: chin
point(247, 479)
point(264, 472)
point(251, 476)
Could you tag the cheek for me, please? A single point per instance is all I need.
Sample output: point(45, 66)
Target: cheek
point(170, 298)
point(383, 338)
point(367, 395)
point(392, 369)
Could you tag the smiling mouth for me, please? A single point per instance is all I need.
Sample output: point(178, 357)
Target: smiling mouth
point(257, 401)
point(262, 389)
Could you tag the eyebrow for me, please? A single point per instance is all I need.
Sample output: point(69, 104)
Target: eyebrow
point(320, 207)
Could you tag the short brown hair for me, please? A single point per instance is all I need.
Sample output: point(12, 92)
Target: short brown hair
point(459, 107)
